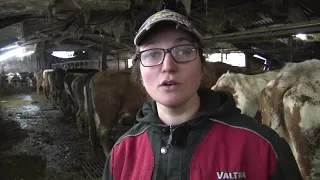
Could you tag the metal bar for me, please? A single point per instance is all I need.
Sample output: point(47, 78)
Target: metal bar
point(288, 29)
point(118, 60)
point(290, 49)
point(284, 50)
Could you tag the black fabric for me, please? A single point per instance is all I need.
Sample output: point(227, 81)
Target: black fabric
point(216, 107)
point(184, 137)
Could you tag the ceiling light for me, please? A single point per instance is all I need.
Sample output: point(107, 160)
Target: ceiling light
point(63, 54)
point(259, 57)
point(301, 36)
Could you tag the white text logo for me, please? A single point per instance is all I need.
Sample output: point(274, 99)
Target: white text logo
point(231, 175)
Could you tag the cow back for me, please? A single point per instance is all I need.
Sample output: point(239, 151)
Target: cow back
point(301, 126)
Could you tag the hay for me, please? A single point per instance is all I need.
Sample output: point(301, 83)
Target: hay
point(187, 5)
point(118, 30)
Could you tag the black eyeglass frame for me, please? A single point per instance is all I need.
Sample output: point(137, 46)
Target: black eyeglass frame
point(168, 50)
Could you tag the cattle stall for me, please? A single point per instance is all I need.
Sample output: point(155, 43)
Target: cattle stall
point(61, 121)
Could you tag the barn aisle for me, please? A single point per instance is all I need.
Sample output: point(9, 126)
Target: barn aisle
point(37, 142)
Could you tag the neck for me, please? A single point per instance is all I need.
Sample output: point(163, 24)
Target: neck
point(181, 114)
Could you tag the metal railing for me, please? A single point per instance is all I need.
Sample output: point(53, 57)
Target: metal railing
point(85, 64)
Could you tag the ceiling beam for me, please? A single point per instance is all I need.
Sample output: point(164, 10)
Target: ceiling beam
point(272, 32)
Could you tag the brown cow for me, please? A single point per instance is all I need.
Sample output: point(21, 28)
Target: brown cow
point(77, 87)
point(114, 97)
point(246, 90)
point(38, 75)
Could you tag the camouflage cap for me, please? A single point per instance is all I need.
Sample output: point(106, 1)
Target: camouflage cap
point(166, 15)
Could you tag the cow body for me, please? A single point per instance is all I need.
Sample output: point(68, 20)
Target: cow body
point(38, 75)
point(46, 84)
point(74, 82)
point(290, 106)
point(301, 126)
point(214, 70)
point(77, 87)
point(114, 97)
point(246, 90)
point(291, 74)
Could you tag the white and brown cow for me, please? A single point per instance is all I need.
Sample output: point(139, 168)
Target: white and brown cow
point(246, 90)
point(301, 126)
point(214, 70)
point(290, 106)
point(46, 84)
point(291, 74)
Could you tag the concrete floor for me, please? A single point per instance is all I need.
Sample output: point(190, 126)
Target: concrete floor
point(37, 142)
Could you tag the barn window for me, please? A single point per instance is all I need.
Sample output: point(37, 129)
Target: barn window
point(129, 63)
point(234, 59)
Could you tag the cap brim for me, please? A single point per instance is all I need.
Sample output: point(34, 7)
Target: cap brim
point(141, 34)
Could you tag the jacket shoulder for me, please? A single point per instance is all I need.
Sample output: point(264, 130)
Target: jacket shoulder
point(250, 125)
point(136, 130)
point(287, 167)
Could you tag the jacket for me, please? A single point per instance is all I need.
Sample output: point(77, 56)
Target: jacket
point(220, 143)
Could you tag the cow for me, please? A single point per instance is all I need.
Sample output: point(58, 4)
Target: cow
point(69, 101)
point(246, 90)
point(214, 70)
point(290, 107)
point(38, 75)
point(75, 101)
point(265, 103)
point(46, 84)
point(58, 75)
point(77, 88)
point(301, 126)
point(114, 97)
point(291, 74)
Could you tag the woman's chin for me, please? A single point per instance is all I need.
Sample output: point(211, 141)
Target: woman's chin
point(172, 102)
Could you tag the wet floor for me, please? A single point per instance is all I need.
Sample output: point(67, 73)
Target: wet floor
point(38, 143)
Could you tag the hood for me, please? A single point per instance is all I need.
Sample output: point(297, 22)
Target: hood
point(214, 104)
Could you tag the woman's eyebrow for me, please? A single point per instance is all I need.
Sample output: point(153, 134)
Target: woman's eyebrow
point(179, 39)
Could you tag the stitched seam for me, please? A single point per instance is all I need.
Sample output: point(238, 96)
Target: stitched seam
point(129, 135)
point(247, 129)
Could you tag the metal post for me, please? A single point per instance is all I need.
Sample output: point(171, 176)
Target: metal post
point(118, 59)
point(104, 57)
point(290, 49)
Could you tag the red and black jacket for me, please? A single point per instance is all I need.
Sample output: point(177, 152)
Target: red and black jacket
point(219, 144)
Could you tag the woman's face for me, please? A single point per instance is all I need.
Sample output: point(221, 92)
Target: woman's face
point(171, 84)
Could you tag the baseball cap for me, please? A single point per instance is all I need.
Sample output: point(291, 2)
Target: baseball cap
point(166, 15)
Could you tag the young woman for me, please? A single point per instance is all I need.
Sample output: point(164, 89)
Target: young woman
point(186, 132)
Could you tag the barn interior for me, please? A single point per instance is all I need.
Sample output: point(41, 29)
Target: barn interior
point(39, 142)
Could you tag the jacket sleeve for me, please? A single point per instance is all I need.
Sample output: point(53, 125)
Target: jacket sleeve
point(107, 174)
point(287, 167)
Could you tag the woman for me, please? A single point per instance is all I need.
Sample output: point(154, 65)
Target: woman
point(186, 132)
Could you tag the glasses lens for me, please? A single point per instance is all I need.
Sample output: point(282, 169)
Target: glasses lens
point(152, 57)
point(184, 53)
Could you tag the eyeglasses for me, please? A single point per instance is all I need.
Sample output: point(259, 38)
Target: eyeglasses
point(180, 54)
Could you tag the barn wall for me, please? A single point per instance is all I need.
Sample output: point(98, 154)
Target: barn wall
point(113, 64)
point(25, 64)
